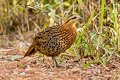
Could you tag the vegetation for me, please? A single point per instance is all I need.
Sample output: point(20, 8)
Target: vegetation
point(98, 35)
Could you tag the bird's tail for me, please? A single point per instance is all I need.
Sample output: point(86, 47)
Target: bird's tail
point(30, 51)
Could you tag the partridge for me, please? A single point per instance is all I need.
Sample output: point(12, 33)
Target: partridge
point(55, 40)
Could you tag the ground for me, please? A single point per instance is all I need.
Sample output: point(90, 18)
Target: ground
point(14, 67)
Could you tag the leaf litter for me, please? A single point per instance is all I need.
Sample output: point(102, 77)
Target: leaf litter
point(14, 66)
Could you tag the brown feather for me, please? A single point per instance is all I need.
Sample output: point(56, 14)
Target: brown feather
point(30, 51)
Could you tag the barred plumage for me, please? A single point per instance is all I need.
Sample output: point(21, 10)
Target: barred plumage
point(55, 40)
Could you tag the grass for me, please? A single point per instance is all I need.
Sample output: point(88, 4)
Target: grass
point(101, 22)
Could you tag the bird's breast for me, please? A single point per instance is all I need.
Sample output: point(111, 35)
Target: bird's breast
point(68, 36)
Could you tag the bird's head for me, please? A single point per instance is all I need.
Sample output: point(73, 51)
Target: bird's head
point(74, 19)
point(71, 22)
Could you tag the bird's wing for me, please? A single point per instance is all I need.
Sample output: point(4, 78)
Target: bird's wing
point(45, 34)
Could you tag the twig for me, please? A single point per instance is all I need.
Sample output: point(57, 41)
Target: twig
point(22, 41)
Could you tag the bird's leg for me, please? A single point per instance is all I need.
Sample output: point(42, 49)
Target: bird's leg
point(55, 62)
point(49, 62)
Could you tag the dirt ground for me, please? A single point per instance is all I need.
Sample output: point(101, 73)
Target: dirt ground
point(14, 67)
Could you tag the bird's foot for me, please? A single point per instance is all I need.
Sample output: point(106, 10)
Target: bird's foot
point(59, 66)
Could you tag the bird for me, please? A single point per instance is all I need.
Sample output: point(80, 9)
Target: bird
point(55, 40)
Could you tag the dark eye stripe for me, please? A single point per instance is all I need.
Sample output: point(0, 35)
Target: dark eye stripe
point(74, 17)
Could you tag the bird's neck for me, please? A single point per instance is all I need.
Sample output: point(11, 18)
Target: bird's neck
point(67, 26)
